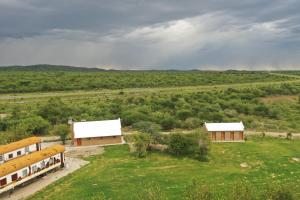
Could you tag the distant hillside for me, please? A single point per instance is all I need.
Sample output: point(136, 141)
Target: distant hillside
point(45, 67)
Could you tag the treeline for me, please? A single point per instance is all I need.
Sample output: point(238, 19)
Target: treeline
point(19, 81)
point(166, 111)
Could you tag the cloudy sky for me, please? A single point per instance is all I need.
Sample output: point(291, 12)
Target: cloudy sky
point(152, 34)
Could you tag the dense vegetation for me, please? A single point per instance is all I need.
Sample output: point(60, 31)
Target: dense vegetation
point(118, 174)
point(186, 110)
point(44, 78)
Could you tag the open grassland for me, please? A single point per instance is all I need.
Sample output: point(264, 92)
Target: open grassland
point(119, 175)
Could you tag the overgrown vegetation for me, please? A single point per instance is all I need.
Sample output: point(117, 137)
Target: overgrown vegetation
point(39, 79)
point(153, 112)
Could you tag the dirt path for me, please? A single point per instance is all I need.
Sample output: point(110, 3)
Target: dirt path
point(273, 134)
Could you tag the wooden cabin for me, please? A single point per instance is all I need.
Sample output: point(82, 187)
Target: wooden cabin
point(19, 148)
point(97, 133)
point(23, 169)
point(225, 132)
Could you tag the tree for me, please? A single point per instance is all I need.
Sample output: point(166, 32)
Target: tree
point(62, 131)
point(150, 128)
point(55, 111)
point(141, 144)
point(168, 122)
point(179, 144)
point(35, 125)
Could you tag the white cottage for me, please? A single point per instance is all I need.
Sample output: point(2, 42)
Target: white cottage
point(97, 132)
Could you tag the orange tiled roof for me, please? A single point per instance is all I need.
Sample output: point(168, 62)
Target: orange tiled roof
point(23, 161)
point(19, 144)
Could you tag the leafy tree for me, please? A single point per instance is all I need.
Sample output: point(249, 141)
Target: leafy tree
point(168, 122)
point(35, 125)
point(62, 131)
point(55, 111)
point(183, 114)
point(150, 128)
point(179, 144)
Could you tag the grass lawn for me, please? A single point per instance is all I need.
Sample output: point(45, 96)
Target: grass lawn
point(119, 175)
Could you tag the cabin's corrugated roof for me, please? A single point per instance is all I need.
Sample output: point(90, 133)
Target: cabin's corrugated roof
point(97, 128)
point(224, 126)
point(19, 144)
point(23, 161)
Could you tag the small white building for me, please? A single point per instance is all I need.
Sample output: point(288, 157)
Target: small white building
point(225, 132)
point(97, 132)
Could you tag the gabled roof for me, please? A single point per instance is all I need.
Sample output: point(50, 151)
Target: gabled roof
point(224, 126)
point(24, 161)
point(97, 128)
point(19, 144)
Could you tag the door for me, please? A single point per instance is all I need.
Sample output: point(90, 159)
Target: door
point(78, 141)
point(214, 136)
point(241, 136)
point(222, 135)
point(231, 135)
point(14, 177)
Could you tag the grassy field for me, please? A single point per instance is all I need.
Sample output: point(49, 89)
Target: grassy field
point(119, 175)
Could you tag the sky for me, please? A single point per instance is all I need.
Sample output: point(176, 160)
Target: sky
point(152, 34)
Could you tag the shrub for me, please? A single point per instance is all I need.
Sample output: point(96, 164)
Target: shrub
point(196, 191)
point(203, 149)
point(289, 136)
point(242, 191)
point(277, 192)
point(150, 191)
point(178, 144)
point(141, 144)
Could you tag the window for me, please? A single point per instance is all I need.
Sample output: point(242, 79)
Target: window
point(42, 164)
point(10, 156)
point(26, 149)
point(24, 173)
point(14, 177)
point(18, 153)
point(3, 182)
point(33, 168)
point(1, 158)
point(51, 161)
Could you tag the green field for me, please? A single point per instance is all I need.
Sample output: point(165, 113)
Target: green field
point(120, 175)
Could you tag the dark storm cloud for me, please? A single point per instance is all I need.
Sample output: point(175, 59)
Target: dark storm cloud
point(251, 34)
